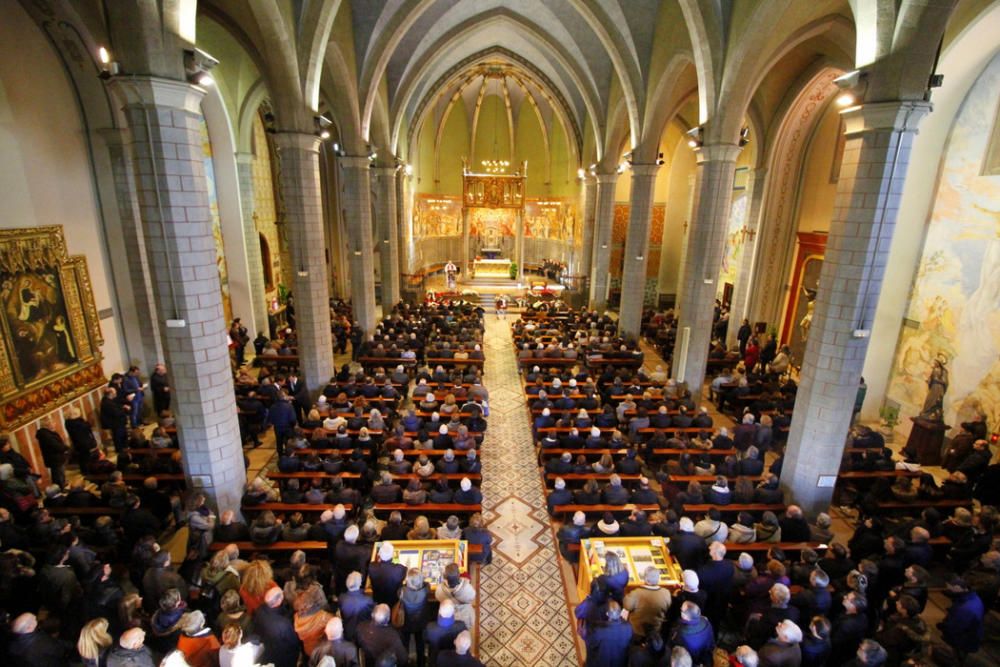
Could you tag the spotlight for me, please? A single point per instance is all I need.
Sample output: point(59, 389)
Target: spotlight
point(696, 135)
point(109, 67)
point(580, 173)
point(197, 64)
point(659, 159)
point(408, 170)
point(324, 135)
point(744, 136)
point(204, 79)
point(103, 55)
point(336, 147)
point(845, 100)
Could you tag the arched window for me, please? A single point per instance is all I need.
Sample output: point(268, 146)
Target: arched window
point(265, 260)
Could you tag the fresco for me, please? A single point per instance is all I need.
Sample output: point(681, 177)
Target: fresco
point(213, 203)
point(436, 215)
point(553, 219)
point(954, 306)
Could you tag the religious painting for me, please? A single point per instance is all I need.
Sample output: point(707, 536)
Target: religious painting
point(50, 333)
point(954, 306)
point(437, 216)
point(548, 219)
point(735, 238)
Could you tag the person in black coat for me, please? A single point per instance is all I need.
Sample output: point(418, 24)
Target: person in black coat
point(159, 385)
point(274, 626)
point(114, 417)
point(460, 656)
point(688, 548)
point(376, 637)
point(849, 629)
point(715, 577)
point(385, 576)
point(570, 534)
point(30, 647)
point(794, 527)
point(349, 556)
point(560, 495)
point(476, 533)
point(355, 606)
point(81, 435)
point(615, 493)
point(440, 635)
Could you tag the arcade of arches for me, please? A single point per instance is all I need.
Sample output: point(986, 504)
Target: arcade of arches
point(828, 171)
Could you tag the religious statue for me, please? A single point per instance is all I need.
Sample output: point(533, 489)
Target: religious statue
point(806, 322)
point(937, 385)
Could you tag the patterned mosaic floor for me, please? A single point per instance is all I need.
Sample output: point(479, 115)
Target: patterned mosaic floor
point(523, 617)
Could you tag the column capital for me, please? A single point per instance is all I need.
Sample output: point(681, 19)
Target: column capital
point(717, 153)
point(154, 91)
point(385, 171)
point(894, 115)
point(607, 179)
point(244, 158)
point(291, 139)
point(645, 170)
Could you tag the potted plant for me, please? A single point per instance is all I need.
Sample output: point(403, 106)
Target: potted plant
point(890, 417)
point(513, 271)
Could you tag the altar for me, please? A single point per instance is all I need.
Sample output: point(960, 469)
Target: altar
point(493, 268)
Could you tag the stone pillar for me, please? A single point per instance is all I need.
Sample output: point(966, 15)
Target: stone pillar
point(355, 193)
point(519, 245)
point(740, 305)
point(301, 191)
point(147, 339)
point(165, 117)
point(637, 248)
point(388, 234)
point(589, 197)
point(255, 264)
point(685, 237)
point(466, 260)
point(600, 264)
point(706, 245)
point(876, 155)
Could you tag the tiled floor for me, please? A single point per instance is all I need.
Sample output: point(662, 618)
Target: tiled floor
point(523, 615)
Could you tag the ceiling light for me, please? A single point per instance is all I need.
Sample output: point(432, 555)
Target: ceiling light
point(204, 79)
point(408, 170)
point(324, 135)
point(103, 55)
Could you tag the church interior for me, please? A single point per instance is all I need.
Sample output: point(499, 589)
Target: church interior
point(459, 332)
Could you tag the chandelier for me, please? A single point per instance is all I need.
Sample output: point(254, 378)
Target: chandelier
point(495, 166)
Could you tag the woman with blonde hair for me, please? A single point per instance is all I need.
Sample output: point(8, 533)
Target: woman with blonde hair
point(258, 579)
point(130, 613)
point(94, 642)
point(219, 576)
point(421, 530)
point(449, 406)
point(311, 617)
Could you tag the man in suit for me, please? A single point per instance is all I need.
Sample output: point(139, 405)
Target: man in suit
point(560, 495)
point(376, 637)
point(132, 386)
point(282, 416)
point(114, 417)
point(440, 635)
point(355, 606)
point(615, 493)
point(54, 451)
point(608, 644)
point(385, 576)
point(271, 622)
point(572, 534)
point(460, 656)
point(350, 557)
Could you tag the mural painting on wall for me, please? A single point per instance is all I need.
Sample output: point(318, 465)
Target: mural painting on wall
point(213, 203)
point(50, 342)
point(553, 219)
point(954, 310)
point(734, 241)
point(492, 228)
point(437, 216)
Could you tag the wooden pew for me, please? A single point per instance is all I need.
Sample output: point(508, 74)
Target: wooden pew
point(288, 508)
point(434, 509)
point(734, 508)
point(474, 477)
point(596, 510)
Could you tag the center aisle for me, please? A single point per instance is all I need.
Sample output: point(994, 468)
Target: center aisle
point(523, 619)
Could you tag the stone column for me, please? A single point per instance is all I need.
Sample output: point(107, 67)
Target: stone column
point(600, 264)
point(388, 234)
point(741, 290)
point(589, 210)
point(301, 191)
point(466, 259)
point(876, 156)
point(255, 264)
point(706, 245)
point(147, 338)
point(685, 237)
point(519, 245)
point(165, 117)
point(637, 248)
point(355, 193)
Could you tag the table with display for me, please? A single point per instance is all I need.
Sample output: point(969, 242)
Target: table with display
point(636, 553)
point(429, 556)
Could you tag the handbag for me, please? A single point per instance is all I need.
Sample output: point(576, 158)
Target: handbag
point(398, 617)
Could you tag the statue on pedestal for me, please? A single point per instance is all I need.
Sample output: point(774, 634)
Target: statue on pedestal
point(937, 385)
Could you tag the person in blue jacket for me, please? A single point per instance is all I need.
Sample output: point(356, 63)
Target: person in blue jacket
point(962, 627)
point(694, 633)
point(281, 415)
point(608, 644)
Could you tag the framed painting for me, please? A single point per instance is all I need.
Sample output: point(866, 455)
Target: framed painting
point(49, 330)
